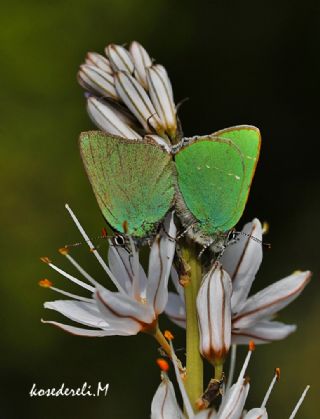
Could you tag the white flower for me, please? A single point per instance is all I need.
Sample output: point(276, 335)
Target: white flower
point(165, 406)
point(251, 316)
point(128, 80)
point(139, 298)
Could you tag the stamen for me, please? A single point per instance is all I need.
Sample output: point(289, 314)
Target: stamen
point(71, 278)
point(168, 335)
point(275, 378)
point(95, 252)
point(74, 296)
point(80, 269)
point(246, 361)
point(185, 398)
point(300, 401)
point(45, 283)
point(45, 259)
point(162, 364)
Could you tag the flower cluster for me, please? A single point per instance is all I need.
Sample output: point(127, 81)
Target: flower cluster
point(165, 406)
point(130, 96)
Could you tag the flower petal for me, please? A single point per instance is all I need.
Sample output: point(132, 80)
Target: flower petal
point(98, 60)
point(242, 261)
point(137, 100)
point(119, 57)
point(97, 81)
point(207, 414)
point(78, 331)
point(160, 141)
point(262, 332)
point(234, 400)
point(160, 261)
point(79, 311)
point(108, 120)
point(271, 299)
point(142, 61)
point(120, 262)
point(161, 95)
point(214, 314)
point(175, 309)
point(121, 308)
point(257, 413)
point(164, 403)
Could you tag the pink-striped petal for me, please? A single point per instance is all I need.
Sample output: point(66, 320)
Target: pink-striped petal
point(242, 260)
point(164, 403)
point(256, 413)
point(98, 60)
point(120, 58)
point(271, 299)
point(78, 331)
point(97, 81)
point(142, 61)
point(175, 309)
point(121, 308)
point(262, 332)
point(160, 261)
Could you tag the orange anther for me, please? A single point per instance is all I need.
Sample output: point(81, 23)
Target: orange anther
point(168, 335)
point(252, 346)
point(45, 259)
point(45, 283)
point(163, 364)
point(64, 250)
point(277, 372)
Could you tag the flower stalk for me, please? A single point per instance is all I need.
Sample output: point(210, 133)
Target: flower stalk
point(194, 363)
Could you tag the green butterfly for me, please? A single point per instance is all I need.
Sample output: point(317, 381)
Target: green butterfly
point(206, 179)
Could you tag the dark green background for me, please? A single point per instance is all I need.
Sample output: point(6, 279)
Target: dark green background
point(238, 62)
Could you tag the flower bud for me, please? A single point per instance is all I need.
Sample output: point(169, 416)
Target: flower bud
point(214, 314)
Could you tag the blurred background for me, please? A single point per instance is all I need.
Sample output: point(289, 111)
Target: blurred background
point(242, 62)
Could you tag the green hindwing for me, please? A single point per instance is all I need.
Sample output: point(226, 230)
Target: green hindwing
point(132, 180)
point(214, 177)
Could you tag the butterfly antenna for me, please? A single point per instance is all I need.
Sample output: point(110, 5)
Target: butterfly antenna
point(182, 101)
point(104, 235)
point(268, 245)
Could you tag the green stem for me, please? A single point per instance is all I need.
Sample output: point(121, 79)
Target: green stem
point(194, 364)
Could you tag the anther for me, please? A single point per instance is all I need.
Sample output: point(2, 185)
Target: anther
point(162, 364)
point(64, 250)
point(45, 283)
point(168, 335)
point(252, 346)
point(45, 259)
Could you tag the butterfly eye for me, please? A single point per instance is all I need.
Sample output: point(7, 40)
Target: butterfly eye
point(119, 240)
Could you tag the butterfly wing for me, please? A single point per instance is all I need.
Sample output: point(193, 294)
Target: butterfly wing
point(214, 177)
point(248, 139)
point(132, 180)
